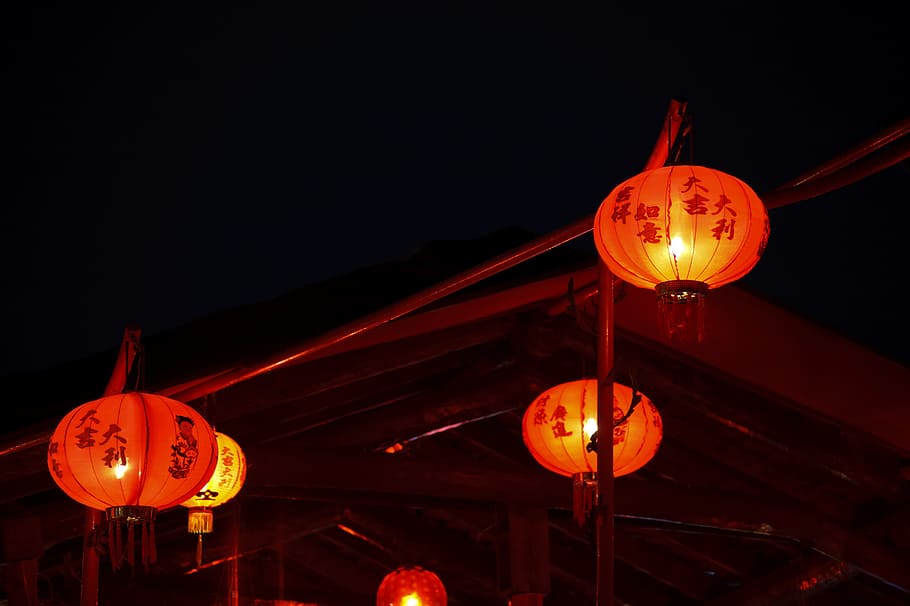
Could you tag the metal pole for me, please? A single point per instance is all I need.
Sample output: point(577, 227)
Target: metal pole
point(605, 507)
point(605, 511)
point(94, 517)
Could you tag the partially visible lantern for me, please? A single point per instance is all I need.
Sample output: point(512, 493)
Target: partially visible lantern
point(558, 427)
point(411, 586)
point(681, 230)
point(223, 485)
point(131, 455)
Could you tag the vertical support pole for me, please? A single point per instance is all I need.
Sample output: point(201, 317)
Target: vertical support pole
point(90, 558)
point(94, 519)
point(234, 583)
point(605, 509)
point(605, 505)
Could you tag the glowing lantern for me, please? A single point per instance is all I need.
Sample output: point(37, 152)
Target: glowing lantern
point(131, 455)
point(411, 586)
point(681, 230)
point(558, 426)
point(223, 485)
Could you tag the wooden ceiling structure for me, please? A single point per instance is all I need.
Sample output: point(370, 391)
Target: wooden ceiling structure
point(380, 414)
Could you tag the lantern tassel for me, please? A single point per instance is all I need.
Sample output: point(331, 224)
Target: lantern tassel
point(131, 544)
point(111, 546)
point(681, 311)
point(116, 542)
point(144, 545)
point(584, 497)
point(199, 550)
point(152, 550)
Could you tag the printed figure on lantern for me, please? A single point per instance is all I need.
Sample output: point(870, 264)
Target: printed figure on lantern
point(184, 451)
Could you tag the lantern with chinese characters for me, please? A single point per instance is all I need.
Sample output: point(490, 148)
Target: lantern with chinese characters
point(411, 586)
point(559, 425)
point(681, 230)
point(224, 484)
point(131, 455)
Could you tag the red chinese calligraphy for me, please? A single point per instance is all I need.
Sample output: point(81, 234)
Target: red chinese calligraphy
point(114, 456)
point(620, 212)
point(646, 212)
point(112, 433)
point(85, 438)
point(722, 226)
point(619, 430)
point(649, 233)
point(52, 450)
point(559, 428)
point(695, 204)
point(724, 203)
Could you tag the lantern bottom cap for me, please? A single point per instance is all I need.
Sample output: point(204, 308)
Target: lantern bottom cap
point(681, 290)
point(130, 513)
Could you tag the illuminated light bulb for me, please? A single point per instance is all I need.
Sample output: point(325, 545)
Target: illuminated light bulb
point(590, 427)
point(410, 600)
point(120, 470)
point(677, 247)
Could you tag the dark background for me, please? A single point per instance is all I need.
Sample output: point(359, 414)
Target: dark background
point(164, 163)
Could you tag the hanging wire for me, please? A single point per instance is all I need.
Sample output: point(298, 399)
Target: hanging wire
point(683, 139)
point(135, 371)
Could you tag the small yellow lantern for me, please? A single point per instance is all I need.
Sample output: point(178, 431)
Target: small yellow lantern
point(223, 485)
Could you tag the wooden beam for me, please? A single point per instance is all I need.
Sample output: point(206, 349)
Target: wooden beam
point(791, 584)
point(658, 500)
point(773, 349)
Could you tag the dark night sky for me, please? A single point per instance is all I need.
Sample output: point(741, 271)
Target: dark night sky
point(167, 163)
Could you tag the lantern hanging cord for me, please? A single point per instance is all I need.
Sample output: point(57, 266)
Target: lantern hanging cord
point(135, 372)
point(674, 148)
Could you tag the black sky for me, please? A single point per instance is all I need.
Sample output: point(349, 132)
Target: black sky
point(162, 164)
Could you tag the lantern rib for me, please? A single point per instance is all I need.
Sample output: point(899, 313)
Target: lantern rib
point(147, 454)
point(706, 267)
point(672, 261)
point(693, 242)
point(123, 497)
point(99, 480)
point(74, 477)
point(644, 252)
point(94, 474)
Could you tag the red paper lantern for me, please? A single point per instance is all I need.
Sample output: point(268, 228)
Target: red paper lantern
point(411, 586)
point(223, 485)
point(681, 230)
point(131, 455)
point(558, 426)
